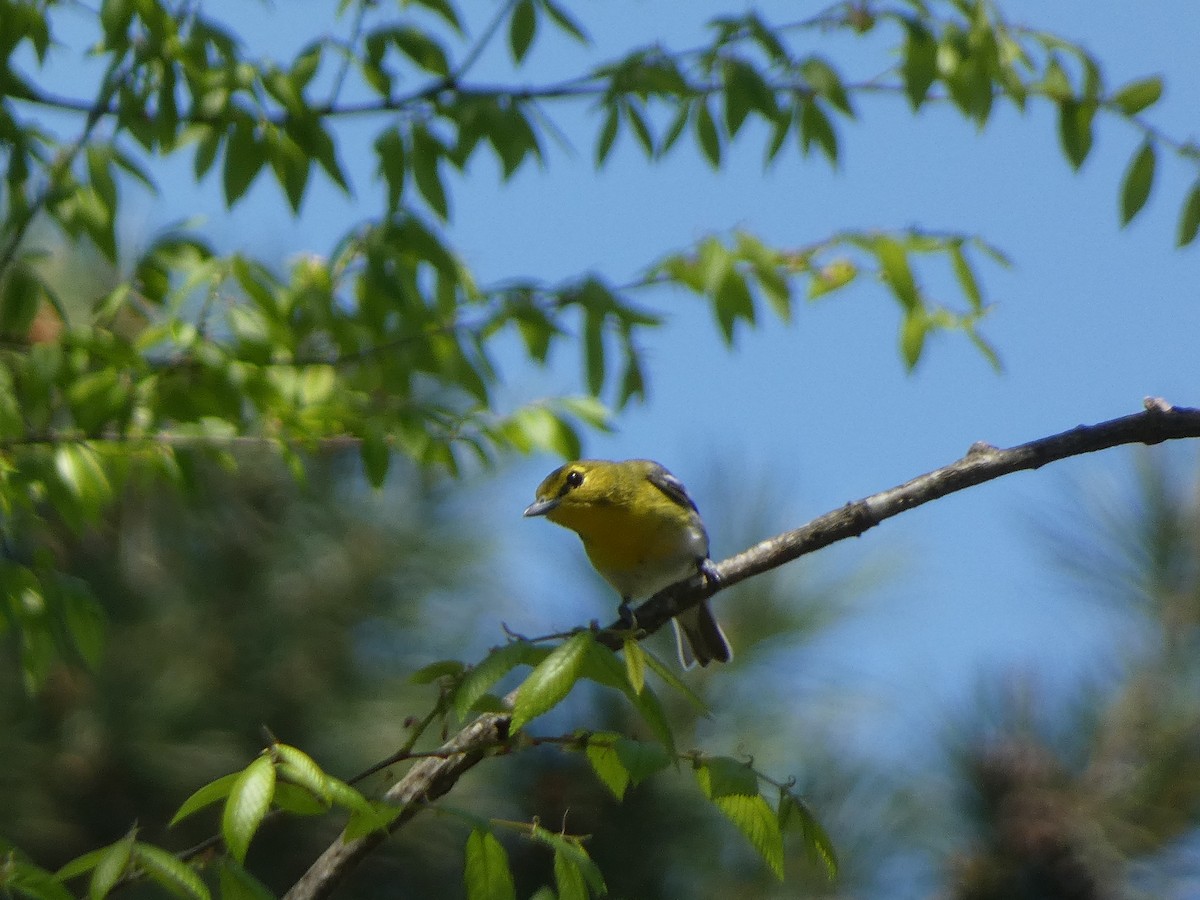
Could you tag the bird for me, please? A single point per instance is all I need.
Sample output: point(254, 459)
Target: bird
point(642, 532)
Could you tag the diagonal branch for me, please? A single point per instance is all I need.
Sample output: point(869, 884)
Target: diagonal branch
point(433, 777)
point(1159, 422)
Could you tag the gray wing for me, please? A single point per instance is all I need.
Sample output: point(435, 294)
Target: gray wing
point(671, 486)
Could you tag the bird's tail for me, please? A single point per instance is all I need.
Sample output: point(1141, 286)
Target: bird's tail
point(699, 638)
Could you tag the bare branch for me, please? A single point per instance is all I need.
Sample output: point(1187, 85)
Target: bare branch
point(434, 776)
point(1159, 422)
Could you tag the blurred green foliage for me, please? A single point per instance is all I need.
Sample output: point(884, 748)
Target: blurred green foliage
point(186, 551)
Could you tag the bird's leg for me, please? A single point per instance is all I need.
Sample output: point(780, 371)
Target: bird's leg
point(708, 571)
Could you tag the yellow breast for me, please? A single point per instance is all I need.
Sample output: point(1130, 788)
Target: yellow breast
point(638, 552)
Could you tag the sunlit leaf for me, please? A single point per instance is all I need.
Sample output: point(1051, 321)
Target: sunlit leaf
point(550, 682)
point(480, 678)
point(211, 793)
point(113, 863)
point(635, 665)
point(246, 806)
point(568, 878)
point(487, 872)
point(795, 816)
point(170, 872)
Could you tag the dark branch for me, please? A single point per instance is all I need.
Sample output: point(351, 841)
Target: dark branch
point(983, 462)
point(434, 776)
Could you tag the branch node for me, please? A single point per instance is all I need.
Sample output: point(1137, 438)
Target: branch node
point(1157, 405)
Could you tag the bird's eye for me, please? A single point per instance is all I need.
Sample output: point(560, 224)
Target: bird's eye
point(574, 478)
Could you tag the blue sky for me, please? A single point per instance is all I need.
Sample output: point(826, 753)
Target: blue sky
point(1090, 319)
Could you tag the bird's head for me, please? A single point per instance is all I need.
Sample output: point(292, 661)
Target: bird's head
point(577, 485)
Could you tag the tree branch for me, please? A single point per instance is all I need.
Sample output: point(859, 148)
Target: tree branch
point(1159, 422)
point(433, 777)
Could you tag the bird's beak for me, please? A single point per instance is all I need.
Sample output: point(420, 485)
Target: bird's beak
point(541, 507)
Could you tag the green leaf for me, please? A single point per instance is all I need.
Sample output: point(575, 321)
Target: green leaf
point(604, 667)
point(754, 817)
point(568, 878)
point(564, 21)
point(608, 134)
point(635, 665)
point(745, 91)
point(301, 769)
point(422, 50)
point(205, 796)
point(495, 666)
point(21, 878)
point(551, 680)
point(19, 305)
point(170, 872)
point(435, 671)
point(206, 150)
point(641, 129)
point(723, 776)
point(1139, 179)
point(1075, 129)
point(912, 337)
point(619, 761)
point(81, 472)
point(443, 8)
point(816, 128)
point(521, 29)
point(574, 857)
point(375, 817)
point(894, 266)
point(245, 156)
point(427, 152)
point(238, 884)
point(706, 134)
point(115, 17)
point(966, 277)
point(794, 815)
point(825, 81)
point(81, 864)
point(593, 349)
point(247, 805)
point(920, 62)
point(487, 875)
point(84, 618)
point(601, 752)
point(985, 348)
point(633, 382)
point(669, 677)
point(768, 268)
point(290, 163)
point(674, 130)
point(112, 864)
point(389, 147)
point(376, 455)
point(99, 165)
point(1189, 218)
point(733, 301)
point(1138, 95)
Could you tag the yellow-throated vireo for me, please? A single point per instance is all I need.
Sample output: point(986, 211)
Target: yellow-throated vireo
point(642, 532)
